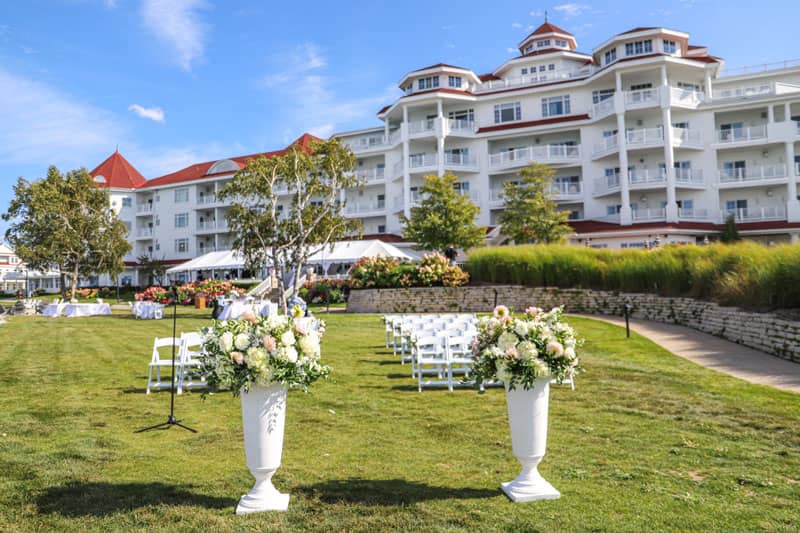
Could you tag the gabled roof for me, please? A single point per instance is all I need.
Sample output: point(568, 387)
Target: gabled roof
point(548, 28)
point(116, 172)
point(637, 30)
point(200, 170)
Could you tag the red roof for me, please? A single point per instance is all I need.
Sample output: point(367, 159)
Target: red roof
point(530, 123)
point(439, 65)
point(548, 28)
point(117, 173)
point(200, 170)
point(641, 28)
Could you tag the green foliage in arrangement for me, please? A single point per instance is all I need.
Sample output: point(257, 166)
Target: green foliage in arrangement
point(746, 274)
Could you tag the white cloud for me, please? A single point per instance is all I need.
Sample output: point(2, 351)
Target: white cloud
point(178, 23)
point(512, 50)
point(153, 113)
point(110, 4)
point(572, 10)
point(536, 13)
point(304, 58)
point(516, 25)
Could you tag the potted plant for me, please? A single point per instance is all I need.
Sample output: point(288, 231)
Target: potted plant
point(259, 359)
point(526, 353)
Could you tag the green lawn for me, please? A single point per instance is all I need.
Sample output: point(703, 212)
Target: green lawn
point(648, 441)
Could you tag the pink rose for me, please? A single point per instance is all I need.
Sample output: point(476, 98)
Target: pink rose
point(512, 352)
point(270, 343)
point(300, 328)
point(250, 317)
point(533, 312)
point(555, 348)
point(238, 357)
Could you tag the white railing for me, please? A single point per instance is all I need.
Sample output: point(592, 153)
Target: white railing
point(496, 196)
point(687, 97)
point(546, 153)
point(687, 137)
point(690, 213)
point(641, 97)
point(641, 215)
point(749, 214)
point(394, 136)
point(639, 176)
point(746, 91)
point(367, 143)
point(422, 126)
point(567, 188)
point(144, 208)
point(692, 176)
point(603, 108)
point(472, 195)
point(459, 160)
point(607, 144)
point(606, 184)
point(145, 232)
point(461, 125)
point(207, 199)
point(206, 225)
point(422, 160)
point(644, 136)
point(764, 67)
point(752, 173)
point(532, 79)
point(742, 134)
point(372, 174)
point(362, 207)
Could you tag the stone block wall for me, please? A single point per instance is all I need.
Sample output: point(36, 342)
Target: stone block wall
point(763, 331)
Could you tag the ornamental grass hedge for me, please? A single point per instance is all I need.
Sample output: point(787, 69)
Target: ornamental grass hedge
point(744, 274)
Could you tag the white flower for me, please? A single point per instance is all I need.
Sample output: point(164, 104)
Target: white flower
point(507, 340)
point(527, 350)
point(226, 342)
point(555, 348)
point(291, 354)
point(502, 372)
point(541, 368)
point(309, 344)
point(521, 328)
point(287, 339)
point(242, 341)
point(569, 353)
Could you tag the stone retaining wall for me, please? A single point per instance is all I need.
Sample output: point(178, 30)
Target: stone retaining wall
point(762, 331)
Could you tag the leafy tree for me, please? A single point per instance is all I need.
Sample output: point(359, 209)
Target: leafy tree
point(444, 217)
point(152, 267)
point(730, 233)
point(284, 231)
point(66, 221)
point(531, 213)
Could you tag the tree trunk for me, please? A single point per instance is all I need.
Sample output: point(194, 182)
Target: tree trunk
point(74, 280)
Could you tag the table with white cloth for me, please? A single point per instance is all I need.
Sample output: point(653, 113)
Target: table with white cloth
point(53, 309)
point(236, 309)
point(71, 310)
point(148, 310)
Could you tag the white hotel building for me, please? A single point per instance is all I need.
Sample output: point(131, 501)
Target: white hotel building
point(649, 137)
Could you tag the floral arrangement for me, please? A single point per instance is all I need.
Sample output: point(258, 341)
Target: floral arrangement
point(153, 294)
point(263, 351)
point(523, 349)
point(432, 270)
point(85, 293)
point(186, 292)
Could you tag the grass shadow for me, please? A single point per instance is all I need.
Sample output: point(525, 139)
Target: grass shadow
point(387, 492)
point(102, 499)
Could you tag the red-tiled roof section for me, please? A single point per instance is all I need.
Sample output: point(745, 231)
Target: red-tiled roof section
point(548, 28)
point(439, 65)
point(118, 173)
point(200, 170)
point(530, 123)
point(641, 28)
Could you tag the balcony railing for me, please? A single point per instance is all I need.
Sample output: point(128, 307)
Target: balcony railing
point(642, 215)
point(211, 225)
point(144, 208)
point(749, 214)
point(687, 137)
point(608, 144)
point(549, 153)
point(367, 143)
point(603, 108)
point(644, 136)
point(207, 199)
point(747, 91)
point(765, 67)
point(364, 207)
point(641, 98)
point(567, 188)
point(606, 184)
point(421, 126)
point(690, 213)
point(144, 233)
point(687, 97)
point(371, 175)
point(459, 160)
point(752, 173)
point(461, 125)
point(742, 134)
point(639, 176)
point(422, 160)
point(532, 79)
point(690, 176)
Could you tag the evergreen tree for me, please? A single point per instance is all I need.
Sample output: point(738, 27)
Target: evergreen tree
point(730, 233)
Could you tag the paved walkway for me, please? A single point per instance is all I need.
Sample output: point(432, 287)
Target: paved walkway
point(716, 353)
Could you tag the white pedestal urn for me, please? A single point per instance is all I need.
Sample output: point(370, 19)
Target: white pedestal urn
point(263, 418)
point(527, 416)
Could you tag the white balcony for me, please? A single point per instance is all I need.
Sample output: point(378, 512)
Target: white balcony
point(461, 127)
point(421, 162)
point(641, 98)
point(611, 219)
point(144, 233)
point(533, 79)
point(367, 143)
point(687, 138)
point(607, 184)
point(422, 127)
point(372, 175)
point(754, 173)
point(548, 153)
point(496, 198)
point(644, 137)
point(607, 146)
point(212, 226)
point(690, 177)
point(690, 213)
point(603, 108)
point(647, 215)
point(686, 97)
point(756, 214)
point(646, 176)
point(567, 190)
point(743, 134)
point(144, 209)
point(743, 91)
point(207, 199)
point(460, 161)
point(364, 208)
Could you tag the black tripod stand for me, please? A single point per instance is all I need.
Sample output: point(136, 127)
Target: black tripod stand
point(171, 420)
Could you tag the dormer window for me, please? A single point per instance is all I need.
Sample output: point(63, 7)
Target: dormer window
point(543, 44)
point(524, 71)
point(454, 81)
point(529, 48)
point(670, 47)
point(430, 82)
point(610, 56)
point(639, 48)
point(560, 43)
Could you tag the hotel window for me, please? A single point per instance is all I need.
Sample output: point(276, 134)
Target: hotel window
point(682, 125)
point(464, 114)
point(555, 105)
point(551, 66)
point(561, 43)
point(734, 169)
point(181, 246)
point(731, 206)
point(669, 47)
point(381, 228)
point(181, 195)
point(685, 204)
point(454, 81)
point(181, 220)
point(528, 48)
point(507, 112)
point(638, 48)
point(524, 71)
point(732, 131)
point(542, 68)
point(429, 82)
point(610, 56)
point(543, 44)
point(127, 201)
point(689, 86)
point(613, 209)
point(602, 94)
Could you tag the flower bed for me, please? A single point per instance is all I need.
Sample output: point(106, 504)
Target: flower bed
point(209, 288)
point(434, 270)
point(323, 291)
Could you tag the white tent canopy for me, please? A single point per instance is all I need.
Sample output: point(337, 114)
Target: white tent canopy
point(341, 252)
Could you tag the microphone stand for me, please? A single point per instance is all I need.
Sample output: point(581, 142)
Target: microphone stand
point(171, 420)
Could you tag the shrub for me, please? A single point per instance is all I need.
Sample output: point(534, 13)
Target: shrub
point(323, 291)
point(432, 270)
point(744, 274)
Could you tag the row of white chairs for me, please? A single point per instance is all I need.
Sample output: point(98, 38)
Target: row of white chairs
point(147, 310)
point(187, 363)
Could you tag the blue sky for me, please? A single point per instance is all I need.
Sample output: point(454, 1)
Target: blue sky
point(172, 82)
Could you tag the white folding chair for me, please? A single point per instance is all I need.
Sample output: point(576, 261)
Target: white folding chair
point(459, 356)
point(191, 348)
point(158, 311)
point(570, 381)
point(430, 358)
point(157, 362)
